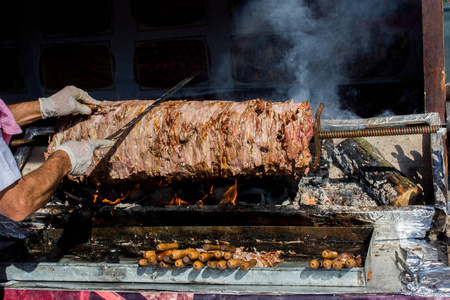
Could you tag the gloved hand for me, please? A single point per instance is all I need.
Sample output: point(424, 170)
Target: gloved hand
point(65, 102)
point(82, 152)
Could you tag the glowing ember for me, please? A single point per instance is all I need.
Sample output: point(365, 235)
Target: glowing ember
point(177, 201)
point(308, 201)
point(230, 195)
point(206, 197)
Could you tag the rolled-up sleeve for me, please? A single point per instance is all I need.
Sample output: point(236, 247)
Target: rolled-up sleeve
point(9, 172)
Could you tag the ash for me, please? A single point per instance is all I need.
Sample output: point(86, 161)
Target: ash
point(329, 185)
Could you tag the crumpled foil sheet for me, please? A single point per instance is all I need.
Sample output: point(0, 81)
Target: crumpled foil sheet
point(403, 222)
point(436, 145)
point(431, 274)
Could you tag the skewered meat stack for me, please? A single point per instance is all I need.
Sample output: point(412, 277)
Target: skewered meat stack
point(194, 140)
point(211, 256)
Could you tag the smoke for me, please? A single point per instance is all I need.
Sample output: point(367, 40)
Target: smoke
point(321, 41)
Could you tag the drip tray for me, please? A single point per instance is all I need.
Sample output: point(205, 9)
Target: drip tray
point(51, 255)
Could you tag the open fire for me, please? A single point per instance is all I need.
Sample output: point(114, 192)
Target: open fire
point(228, 197)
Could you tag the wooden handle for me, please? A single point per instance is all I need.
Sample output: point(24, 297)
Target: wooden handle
point(228, 248)
point(227, 255)
point(179, 263)
point(197, 265)
point(212, 264)
point(187, 260)
point(350, 263)
point(193, 255)
point(337, 265)
point(222, 264)
point(166, 246)
point(210, 247)
point(93, 107)
point(178, 254)
point(160, 256)
point(218, 254)
point(327, 263)
point(203, 257)
point(143, 262)
point(314, 264)
point(235, 263)
point(329, 254)
point(152, 260)
point(167, 259)
point(248, 264)
point(148, 253)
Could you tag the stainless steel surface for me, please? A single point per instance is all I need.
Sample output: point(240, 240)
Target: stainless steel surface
point(282, 275)
point(381, 276)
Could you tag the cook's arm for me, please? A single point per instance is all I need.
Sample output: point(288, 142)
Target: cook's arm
point(26, 112)
point(33, 190)
point(69, 100)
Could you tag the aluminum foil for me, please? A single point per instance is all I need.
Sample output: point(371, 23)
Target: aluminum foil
point(403, 222)
point(431, 274)
point(22, 153)
point(394, 223)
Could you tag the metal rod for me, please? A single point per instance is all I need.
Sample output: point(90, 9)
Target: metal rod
point(22, 142)
point(379, 132)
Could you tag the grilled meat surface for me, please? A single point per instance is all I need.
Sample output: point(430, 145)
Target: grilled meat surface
point(195, 140)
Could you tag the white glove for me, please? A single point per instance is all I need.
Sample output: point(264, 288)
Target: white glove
point(67, 101)
point(82, 152)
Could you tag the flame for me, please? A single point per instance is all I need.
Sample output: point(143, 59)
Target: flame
point(206, 197)
point(160, 184)
point(177, 201)
point(117, 200)
point(98, 197)
point(230, 195)
point(95, 198)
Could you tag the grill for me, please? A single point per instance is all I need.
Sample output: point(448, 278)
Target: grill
point(77, 233)
point(91, 238)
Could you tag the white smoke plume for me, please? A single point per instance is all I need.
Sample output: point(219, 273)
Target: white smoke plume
point(324, 38)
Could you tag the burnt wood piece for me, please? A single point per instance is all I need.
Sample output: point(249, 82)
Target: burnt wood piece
point(384, 182)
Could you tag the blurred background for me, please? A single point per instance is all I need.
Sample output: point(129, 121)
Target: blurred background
point(362, 58)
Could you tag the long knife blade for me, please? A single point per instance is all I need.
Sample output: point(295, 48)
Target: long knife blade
point(153, 105)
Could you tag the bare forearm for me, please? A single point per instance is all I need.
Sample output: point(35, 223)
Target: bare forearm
point(33, 191)
point(26, 112)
